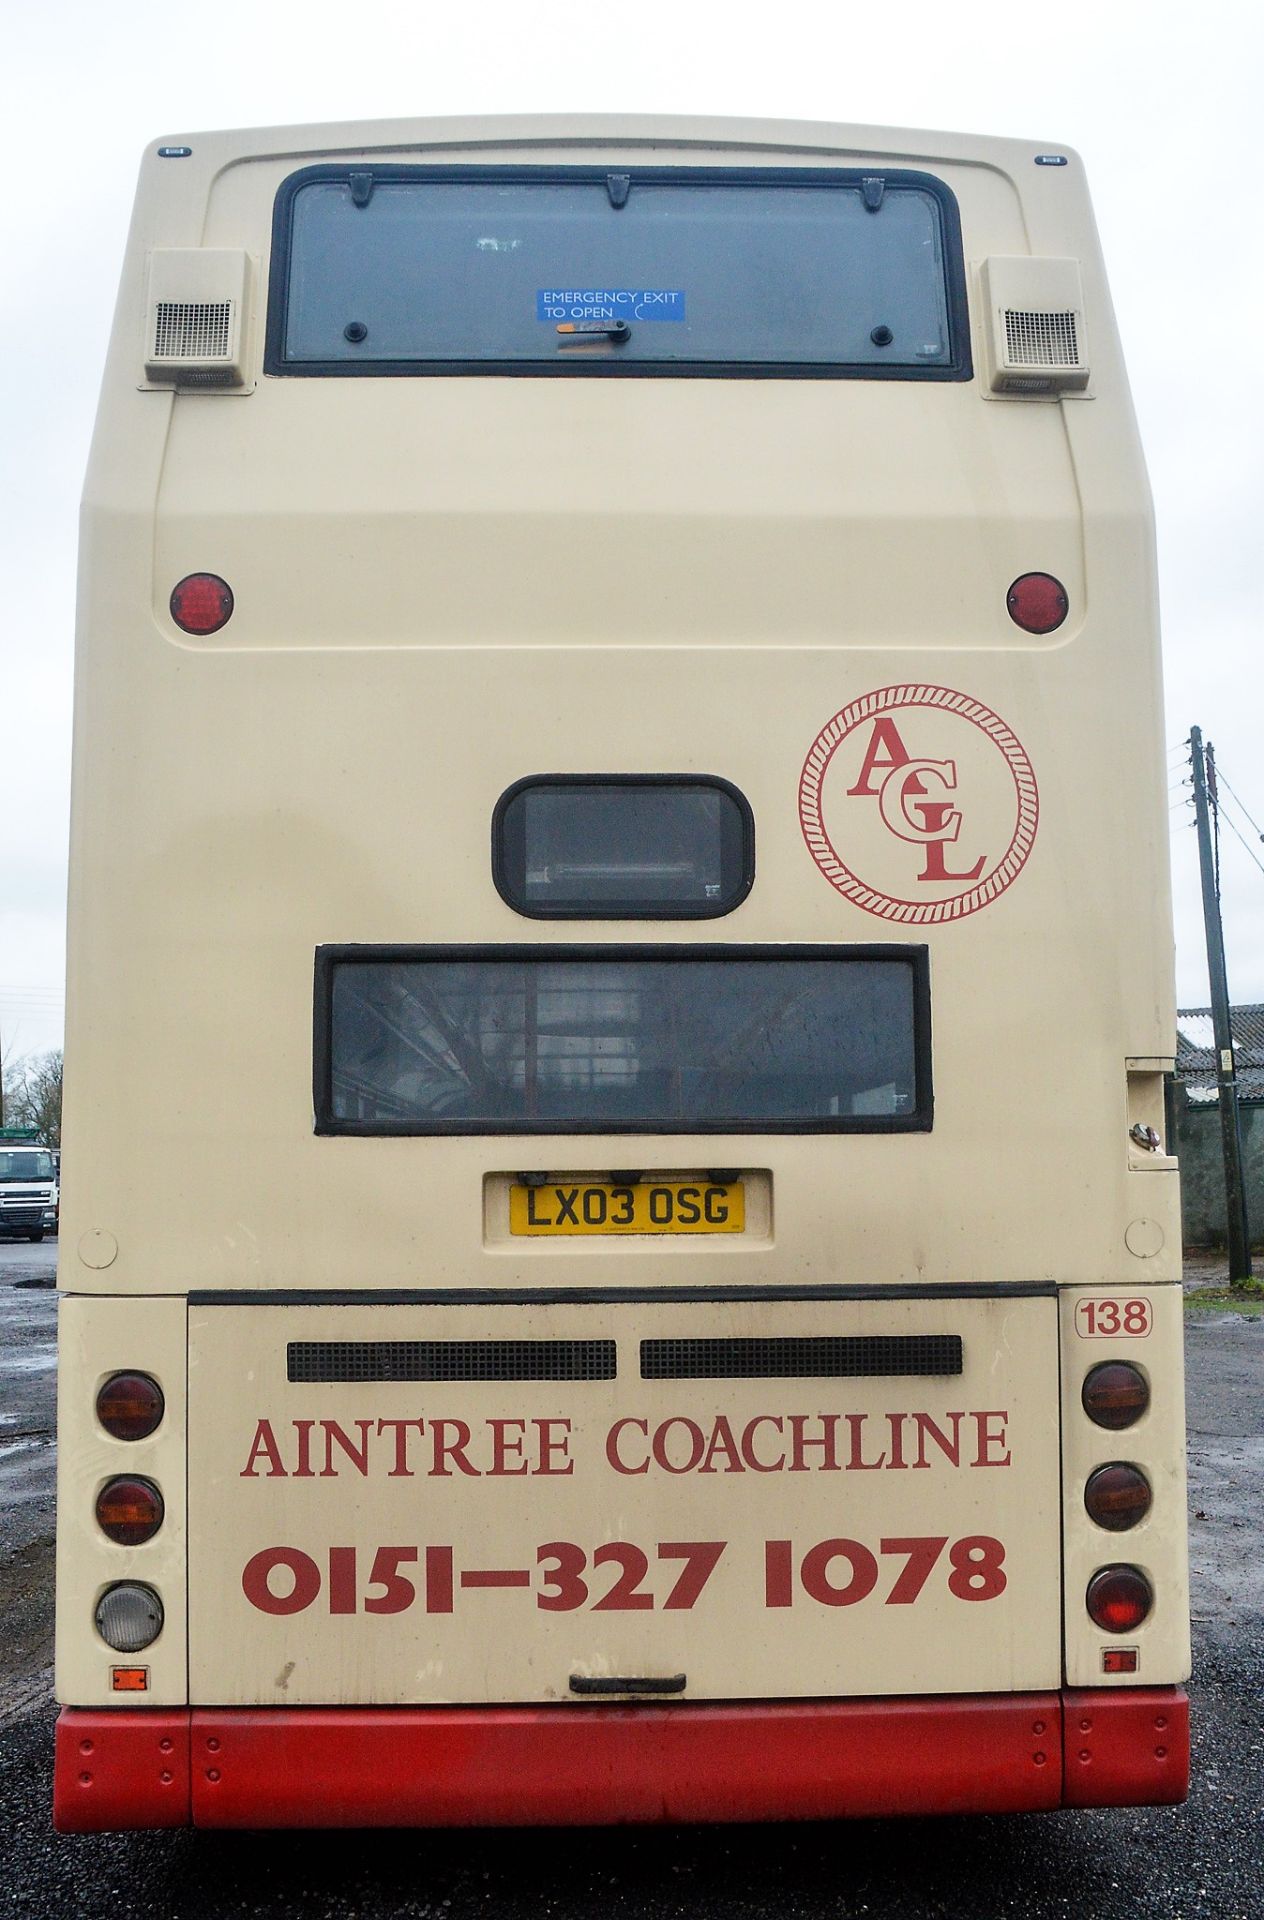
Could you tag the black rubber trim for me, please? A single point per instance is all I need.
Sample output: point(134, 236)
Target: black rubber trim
point(509, 856)
point(958, 366)
point(612, 1296)
point(328, 958)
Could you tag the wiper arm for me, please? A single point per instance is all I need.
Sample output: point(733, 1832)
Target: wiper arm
point(581, 331)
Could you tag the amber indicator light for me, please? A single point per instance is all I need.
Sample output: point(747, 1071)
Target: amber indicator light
point(130, 1406)
point(201, 603)
point(1037, 602)
point(1117, 1496)
point(1118, 1599)
point(129, 1512)
point(129, 1679)
point(1115, 1394)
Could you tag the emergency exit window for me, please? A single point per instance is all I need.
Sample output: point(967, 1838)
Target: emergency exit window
point(623, 847)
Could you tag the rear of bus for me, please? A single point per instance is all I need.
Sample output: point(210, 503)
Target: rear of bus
point(621, 1264)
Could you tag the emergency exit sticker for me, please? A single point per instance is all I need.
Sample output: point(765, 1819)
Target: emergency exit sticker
point(609, 303)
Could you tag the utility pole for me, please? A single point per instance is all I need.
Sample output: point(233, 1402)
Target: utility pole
point(1226, 1076)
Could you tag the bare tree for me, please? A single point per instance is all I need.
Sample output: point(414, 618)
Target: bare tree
point(32, 1095)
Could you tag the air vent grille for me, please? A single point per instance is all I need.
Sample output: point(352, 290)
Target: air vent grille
point(1041, 339)
point(373, 1360)
point(192, 329)
point(827, 1357)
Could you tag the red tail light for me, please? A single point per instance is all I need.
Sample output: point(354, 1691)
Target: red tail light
point(130, 1406)
point(201, 603)
point(1118, 1599)
point(1037, 602)
point(1117, 1496)
point(1115, 1394)
point(129, 1512)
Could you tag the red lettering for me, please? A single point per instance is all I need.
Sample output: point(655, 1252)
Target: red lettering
point(896, 1423)
point(856, 1462)
point(342, 1580)
point(816, 1566)
point(778, 1574)
point(799, 1442)
point(401, 1470)
point(503, 1447)
point(304, 1470)
point(438, 1579)
point(749, 1455)
point(935, 868)
point(398, 1592)
point(549, 1445)
point(264, 1443)
point(256, 1573)
point(357, 1455)
point(885, 751)
point(988, 1439)
point(612, 1446)
point(950, 1448)
point(697, 1444)
point(921, 1556)
point(722, 1441)
point(701, 1557)
point(445, 1449)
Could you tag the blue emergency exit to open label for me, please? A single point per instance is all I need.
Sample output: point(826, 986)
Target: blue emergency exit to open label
point(558, 304)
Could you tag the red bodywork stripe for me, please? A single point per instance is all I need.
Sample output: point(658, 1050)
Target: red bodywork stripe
point(597, 1765)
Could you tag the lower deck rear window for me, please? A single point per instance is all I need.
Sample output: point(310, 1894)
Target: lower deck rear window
point(606, 1040)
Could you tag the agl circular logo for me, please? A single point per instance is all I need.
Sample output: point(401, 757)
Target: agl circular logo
point(919, 804)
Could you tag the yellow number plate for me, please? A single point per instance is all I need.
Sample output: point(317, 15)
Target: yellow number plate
point(661, 1206)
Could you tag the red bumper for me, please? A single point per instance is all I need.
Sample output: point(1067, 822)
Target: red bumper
point(589, 1766)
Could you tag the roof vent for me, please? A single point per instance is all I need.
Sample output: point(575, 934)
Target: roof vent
point(1035, 326)
point(195, 318)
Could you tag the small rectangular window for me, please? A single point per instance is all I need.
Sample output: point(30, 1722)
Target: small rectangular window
point(623, 846)
point(609, 1040)
point(650, 270)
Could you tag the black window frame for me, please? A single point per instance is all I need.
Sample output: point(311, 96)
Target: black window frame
point(502, 875)
point(328, 958)
point(957, 367)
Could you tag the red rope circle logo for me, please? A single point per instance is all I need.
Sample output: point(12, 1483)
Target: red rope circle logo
point(919, 802)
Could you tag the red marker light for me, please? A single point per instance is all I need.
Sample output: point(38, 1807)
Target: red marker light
point(1115, 1394)
point(130, 1406)
point(1037, 602)
point(1118, 1599)
point(129, 1512)
point(1117, 1496)
point(201, 603)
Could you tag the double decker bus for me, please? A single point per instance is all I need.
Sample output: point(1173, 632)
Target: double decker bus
point(619, 945)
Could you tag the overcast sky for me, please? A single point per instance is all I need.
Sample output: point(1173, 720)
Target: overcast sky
point(1162, 100)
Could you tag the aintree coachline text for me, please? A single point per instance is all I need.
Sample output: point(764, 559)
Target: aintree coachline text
point(399, 1449)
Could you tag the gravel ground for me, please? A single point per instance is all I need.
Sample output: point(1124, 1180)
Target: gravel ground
point(1205, 1859)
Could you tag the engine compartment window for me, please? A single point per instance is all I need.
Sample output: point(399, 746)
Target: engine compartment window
point(605, 1040)
point(582, 270)
point(623, 846)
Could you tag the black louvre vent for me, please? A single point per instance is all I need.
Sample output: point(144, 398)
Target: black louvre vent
point(829, 1357)
point(349, 1360)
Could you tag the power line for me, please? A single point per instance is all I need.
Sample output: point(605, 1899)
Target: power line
point(1246, 843)
point(1254, 823)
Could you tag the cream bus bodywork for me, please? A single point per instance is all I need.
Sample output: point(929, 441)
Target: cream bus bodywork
point(443, 585)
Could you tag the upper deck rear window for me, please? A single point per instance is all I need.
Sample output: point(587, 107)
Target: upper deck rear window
point(579, 270)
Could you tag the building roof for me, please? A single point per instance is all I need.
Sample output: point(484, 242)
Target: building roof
point(1196, 1055)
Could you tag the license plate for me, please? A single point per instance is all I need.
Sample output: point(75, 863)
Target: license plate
point(660, 1206)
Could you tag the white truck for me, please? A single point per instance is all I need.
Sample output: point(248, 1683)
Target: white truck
point(28, 1189)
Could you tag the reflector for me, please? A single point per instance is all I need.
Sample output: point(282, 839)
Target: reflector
point(1037, 602)
point(201, 603)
